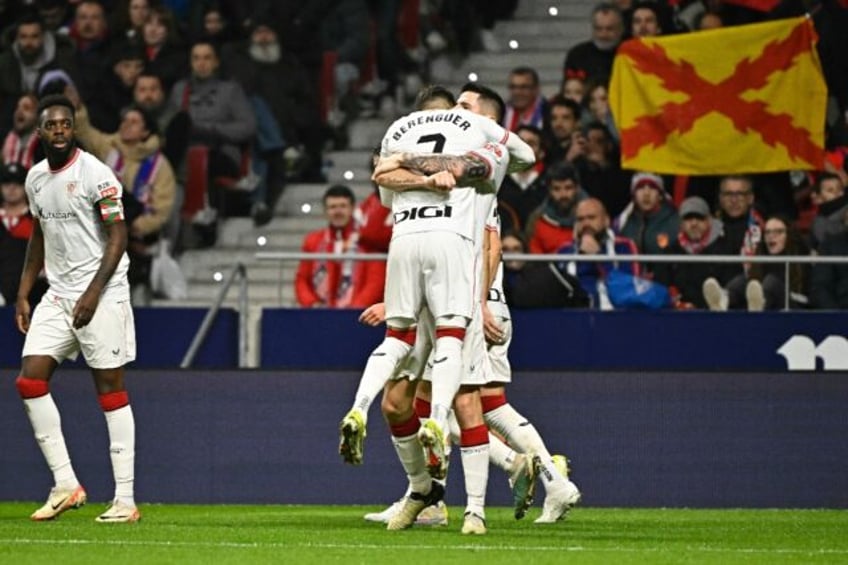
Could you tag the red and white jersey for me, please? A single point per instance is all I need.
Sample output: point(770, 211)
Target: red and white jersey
point(65, 201)
point(452, 132)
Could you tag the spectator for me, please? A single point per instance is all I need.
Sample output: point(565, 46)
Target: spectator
point(217, 26)
point(16, 226)
point(829, 196)
point(699, 234)
point(593, 236)
point(173, 124)
point(645, 20)
point(573, 88)
point(21, 143)
point(525, 104)
point(596, 107)
point(766, 288)
point(742, 233)
point(522, 192)
point(166, 57)
point(829, 287)
point(116, 87)
point(127, 20)
point(55, 14)
point(258, 64)
point(566, 138)
point(600, 172)
point(221, 116)
point(34, 50)
point(93, 56)
point(336, 284)
point(552, 224)
point(708, 20)
point(650, 219)
point(537, 284)
point(593, 59)
point(149, 185)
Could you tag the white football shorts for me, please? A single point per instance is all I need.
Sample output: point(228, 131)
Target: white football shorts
point(499, 368)
point(107, 342)
point(436, 269)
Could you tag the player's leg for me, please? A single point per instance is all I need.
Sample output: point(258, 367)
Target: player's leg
point(561, 493)
point(108, 344)
point(48, 342)
point(404, 425)
point(519, 433)
point(403, 298)
point(474, 451)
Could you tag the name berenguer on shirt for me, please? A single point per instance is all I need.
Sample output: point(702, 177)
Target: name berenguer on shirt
point(435, 117)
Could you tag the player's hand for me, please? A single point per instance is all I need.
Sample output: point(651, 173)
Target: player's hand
point(443, 181)
point(492, 330)
point(387, 164)
point(374, 315)
point(22, 313)
point(85, 308)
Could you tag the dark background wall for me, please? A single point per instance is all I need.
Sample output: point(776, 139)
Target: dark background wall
point(699, 439)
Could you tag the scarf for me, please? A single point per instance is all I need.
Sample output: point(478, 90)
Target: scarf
point(142, 188)
point(532, 116)
point(17, 149)
point(714, 231)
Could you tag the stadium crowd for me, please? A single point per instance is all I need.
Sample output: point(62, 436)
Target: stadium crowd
point(206, 109)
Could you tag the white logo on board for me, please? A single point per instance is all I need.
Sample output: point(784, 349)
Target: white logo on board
point(801, 352)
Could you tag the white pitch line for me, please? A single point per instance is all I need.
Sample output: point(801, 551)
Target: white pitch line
point(462, 547)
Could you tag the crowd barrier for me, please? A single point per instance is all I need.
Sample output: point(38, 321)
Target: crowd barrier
point(320, 339)
point(635, 438)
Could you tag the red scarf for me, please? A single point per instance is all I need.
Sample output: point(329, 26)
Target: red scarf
point(15, 150)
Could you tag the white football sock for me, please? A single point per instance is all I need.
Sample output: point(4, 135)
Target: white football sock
point(378, 370)
point(475, 467)
point(446, 377)
point(121, 426)
point(411, 457)
point(500, 454)
point(47, 427)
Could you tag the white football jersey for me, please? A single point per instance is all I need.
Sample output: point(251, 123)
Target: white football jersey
point(452, 132)
point(65, 203)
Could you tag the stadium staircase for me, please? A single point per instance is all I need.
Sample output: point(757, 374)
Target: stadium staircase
point(542, 41)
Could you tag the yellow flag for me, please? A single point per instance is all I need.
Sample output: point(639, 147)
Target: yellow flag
point(742, 99)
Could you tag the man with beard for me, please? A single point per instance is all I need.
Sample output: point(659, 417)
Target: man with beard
point(700, 234)
point(593, 59)
point(79, 237)
point(593, 236)
point(552, 224)
point(33, 51)
point(21, 144)
point(266, 69)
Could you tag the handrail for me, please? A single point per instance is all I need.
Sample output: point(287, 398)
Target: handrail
point(785, 260)
point(557, 257)
point(240, 271)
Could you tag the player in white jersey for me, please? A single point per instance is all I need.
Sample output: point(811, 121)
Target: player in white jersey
point(80, 240)
point(499, 415)
point(457, 232)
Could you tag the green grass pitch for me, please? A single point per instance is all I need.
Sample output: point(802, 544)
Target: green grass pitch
point(338, 534)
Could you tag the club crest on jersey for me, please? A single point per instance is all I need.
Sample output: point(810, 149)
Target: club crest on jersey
point(71, 187)
point(423, 213)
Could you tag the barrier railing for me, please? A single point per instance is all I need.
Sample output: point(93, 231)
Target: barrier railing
point(786, 260)
point(238, 271)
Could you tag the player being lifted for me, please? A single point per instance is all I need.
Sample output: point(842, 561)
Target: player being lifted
point(434, 260)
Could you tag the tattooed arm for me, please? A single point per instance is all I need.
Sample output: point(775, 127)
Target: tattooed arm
point(406, 171)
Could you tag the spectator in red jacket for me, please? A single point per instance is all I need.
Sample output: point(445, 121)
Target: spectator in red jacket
point(552, 224)
point(338, 284)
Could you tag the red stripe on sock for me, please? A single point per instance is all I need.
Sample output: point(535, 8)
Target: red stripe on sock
point(492, 402)
point(422, 408)
point(458, 333)
point(31, 388)
point(113, 400)
point(406, 429)
point(405, 335)
point(472, 437)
